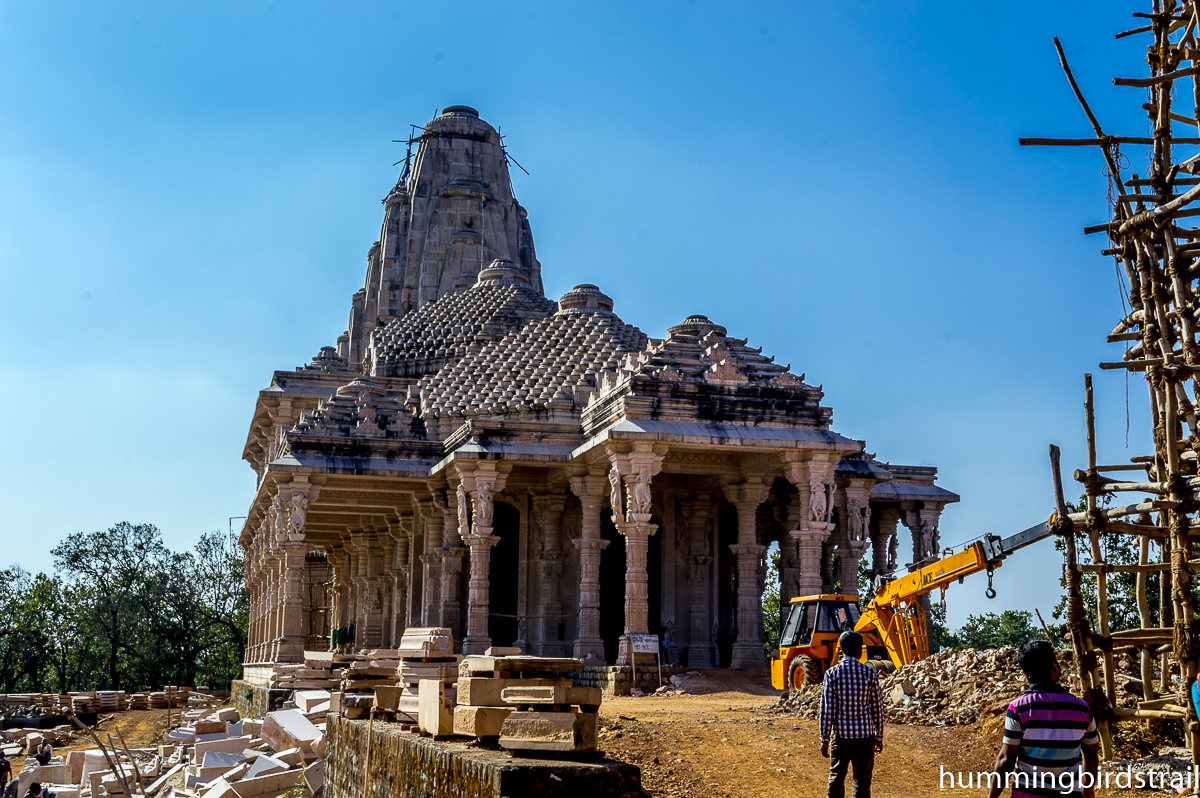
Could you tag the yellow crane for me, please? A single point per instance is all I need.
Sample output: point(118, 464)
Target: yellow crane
point(893, 624)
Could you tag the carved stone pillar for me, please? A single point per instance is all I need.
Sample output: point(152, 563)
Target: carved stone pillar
point(811, 473)
point(589, 489)
point(451, 559)
point(548, 515)
point(854, 521)
point(698, 514)
point(271, 641)
point(748, 649)
point(636, 465)
point(376, 581)
point(431, 560)
point(883, 545)
point(399, 553)
point(482, 480)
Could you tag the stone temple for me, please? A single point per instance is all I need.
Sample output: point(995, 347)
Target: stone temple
point(475, 455)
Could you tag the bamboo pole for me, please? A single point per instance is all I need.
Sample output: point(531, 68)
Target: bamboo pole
point(1145, 659)
point(1094, 527)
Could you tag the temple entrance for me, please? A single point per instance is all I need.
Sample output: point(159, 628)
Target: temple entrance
point(503, 572)
point(726, 587)
point(612, 586)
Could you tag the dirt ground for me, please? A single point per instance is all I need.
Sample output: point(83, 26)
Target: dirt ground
point(140, 728)
point(722, 745)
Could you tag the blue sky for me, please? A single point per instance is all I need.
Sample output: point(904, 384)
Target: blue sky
point(189, 192)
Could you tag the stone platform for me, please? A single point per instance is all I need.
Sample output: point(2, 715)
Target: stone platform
point(404, 765)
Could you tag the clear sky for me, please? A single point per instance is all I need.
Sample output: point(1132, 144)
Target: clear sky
point(188, 192)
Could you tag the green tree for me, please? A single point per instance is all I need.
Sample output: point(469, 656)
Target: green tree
point(116, 563)
point(940, 636)
point(770, 600)
point(989, 630)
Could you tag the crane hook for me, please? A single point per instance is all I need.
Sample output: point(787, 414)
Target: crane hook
point(991, 591)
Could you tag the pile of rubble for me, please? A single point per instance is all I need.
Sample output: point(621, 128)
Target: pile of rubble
point(217, 754)
point(950, 688)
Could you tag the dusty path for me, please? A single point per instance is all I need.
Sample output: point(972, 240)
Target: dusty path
point(142, 728)
point(721, 745)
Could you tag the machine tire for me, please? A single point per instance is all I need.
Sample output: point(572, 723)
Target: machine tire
point(881, 666)
point(804, 670)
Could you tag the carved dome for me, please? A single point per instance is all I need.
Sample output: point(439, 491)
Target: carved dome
point(585, 298)
point(697, 325)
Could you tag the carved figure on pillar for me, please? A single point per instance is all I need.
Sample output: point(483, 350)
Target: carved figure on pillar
point(618, 506)
point(297, 516)
point(818, 503)
point(464, 519)
point(483, 506)
point(641, 491)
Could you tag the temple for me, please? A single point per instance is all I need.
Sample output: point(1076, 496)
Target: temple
point(541, 473)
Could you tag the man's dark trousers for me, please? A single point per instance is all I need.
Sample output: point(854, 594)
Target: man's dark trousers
point(842, 753)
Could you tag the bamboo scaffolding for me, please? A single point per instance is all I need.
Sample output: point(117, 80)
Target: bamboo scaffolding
point(1159, 261)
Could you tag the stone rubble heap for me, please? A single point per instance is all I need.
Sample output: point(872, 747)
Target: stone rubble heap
point(950, 688)
point(217, 754)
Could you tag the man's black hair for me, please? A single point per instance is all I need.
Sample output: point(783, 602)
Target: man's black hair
point(851, 644)
point(1037, 659)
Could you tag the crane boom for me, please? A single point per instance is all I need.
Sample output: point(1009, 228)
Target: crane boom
point(894, 610)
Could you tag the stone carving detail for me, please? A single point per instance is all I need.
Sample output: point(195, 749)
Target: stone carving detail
point(367, 427)
point(669, 373)
point(641, 491)
point(929, 539)
point(483, 506)
point(787, 380)
point(725, 373)
point(376, 600)
point(276, 515)
point(893, 546)
point(297, 516)
point(464, 519)
point(818, 505)
point(614, 481)
point(854, 524)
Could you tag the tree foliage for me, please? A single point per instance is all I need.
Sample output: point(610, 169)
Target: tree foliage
point(122, 611)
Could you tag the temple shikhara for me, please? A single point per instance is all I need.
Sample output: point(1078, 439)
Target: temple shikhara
point(539, 472)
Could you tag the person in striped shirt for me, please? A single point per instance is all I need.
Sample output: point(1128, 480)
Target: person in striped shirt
point(1050, 740)
point(852, 715)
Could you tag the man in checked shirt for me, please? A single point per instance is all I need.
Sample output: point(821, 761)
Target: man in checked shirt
point(852, 709)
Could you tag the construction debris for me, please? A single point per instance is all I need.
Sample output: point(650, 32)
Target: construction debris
point(950, 688)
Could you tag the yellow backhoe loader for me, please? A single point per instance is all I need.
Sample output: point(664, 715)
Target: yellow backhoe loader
point(893, 625)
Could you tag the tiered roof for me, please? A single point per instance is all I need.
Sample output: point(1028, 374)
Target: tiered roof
point(551, 362)
point(443, 331)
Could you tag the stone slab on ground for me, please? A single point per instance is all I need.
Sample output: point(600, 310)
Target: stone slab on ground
point(268, 786)
point(289, 728)
point(549, 731)
point(479, 721)
point(314, 776)
point(229, 745)
point(404, 762)
point(306, 700)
